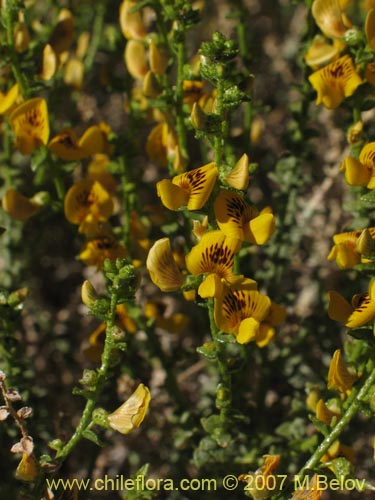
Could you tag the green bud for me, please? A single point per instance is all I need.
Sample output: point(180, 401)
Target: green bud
point(99, 417)
point(353, 37)
point(89, 378)
point(17, 297)
point(56, 444)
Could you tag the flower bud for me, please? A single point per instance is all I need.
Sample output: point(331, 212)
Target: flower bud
point(158, 59)
point(88, 294)
point(150, 86)
point(198, 117)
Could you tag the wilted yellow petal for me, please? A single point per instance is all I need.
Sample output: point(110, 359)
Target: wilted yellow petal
point(130, 414)
point(322, 52)
point(27, 469)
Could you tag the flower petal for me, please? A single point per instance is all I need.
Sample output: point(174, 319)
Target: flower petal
point(162, 267)
point(130, 414)
point(173, 197)
point(339, 308)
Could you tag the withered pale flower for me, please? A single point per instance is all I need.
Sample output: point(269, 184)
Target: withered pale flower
point(257, 482)
point(162, 267)
point(322, 52)
point(339, 377)
point(30, 125)
point(19, 206)
point(312, 491)
point(130, 414)
point(191, 188)
point(237, 219)
point(63, 33)
point(335, 82)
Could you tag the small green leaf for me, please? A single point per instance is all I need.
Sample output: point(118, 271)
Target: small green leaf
point(91, 436)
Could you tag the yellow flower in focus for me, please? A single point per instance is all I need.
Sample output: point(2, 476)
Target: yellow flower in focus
point(18, 206)
point(237, 219)
point(335, 82)
point(339, 377)
point(359, 313)
point(313, 492)
point(162, 267)
point(8, 99)
point(329, 17)
point(130, 414)
point(192, 188)
point(29, 122)
point(258, 488)
point(247, 313)
point(87, 203)
point(345, 250)
point(361, 172)
point(27, 469)
point(214, 256)
point(96, 250)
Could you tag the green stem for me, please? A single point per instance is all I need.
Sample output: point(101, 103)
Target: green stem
point(225, 376)
point(97, 34)
point(180, 122)
point(219, 138)
point(86, 418)
point(8, 13)
point(340, 426)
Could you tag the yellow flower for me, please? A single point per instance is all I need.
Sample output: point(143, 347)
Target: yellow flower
point(29, 122)
point(323, 413)
point(8, 99)
point(87, 203)
point(214, 255)
point(329, 17)
point(192, 188)
point(359, 313)
point(193, 90)
point(135, 58)
point(345, 250)
point(361, 172)
point(339, 377)
point(238, 177)
point(95, 251)
point(27, 469)
point(18, 206)
point(258, 489)
point(335, 82)
point(130, 414)
point(237, 219)
point(162, 267)
point(247, 313)
point(313, 491)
